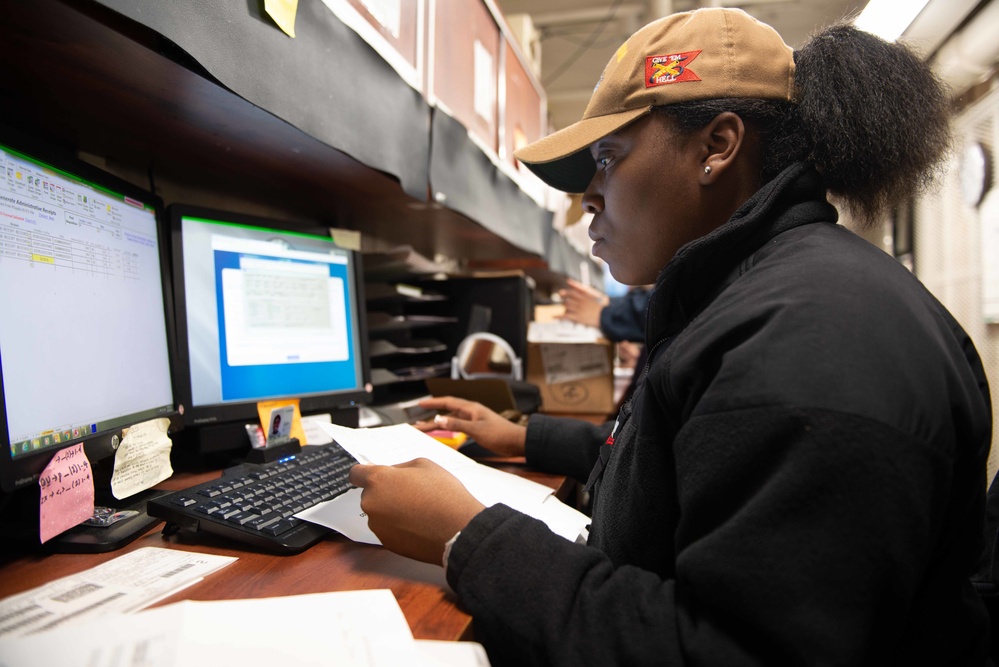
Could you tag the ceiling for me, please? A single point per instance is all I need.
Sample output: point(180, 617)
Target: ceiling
point(574, 39)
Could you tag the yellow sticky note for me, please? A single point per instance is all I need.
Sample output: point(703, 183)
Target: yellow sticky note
point(346, 238)
point(67, 492)
point(264, 409)
point(283, 12)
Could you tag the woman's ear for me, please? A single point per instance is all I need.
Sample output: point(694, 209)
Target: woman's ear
point(721, 144)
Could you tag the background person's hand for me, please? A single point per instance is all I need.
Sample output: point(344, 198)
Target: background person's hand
point(478, 422)
point(414, 508)
point(583, 304)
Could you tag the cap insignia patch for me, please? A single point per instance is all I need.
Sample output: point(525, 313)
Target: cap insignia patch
point(672, 68)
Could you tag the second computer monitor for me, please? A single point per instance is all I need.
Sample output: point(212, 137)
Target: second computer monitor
point(264, 313)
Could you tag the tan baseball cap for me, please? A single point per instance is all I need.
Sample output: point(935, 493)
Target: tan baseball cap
point(704, 54)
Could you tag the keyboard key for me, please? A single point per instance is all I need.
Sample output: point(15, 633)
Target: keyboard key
point(262, 522)
point(278, 527)
point(242, 518)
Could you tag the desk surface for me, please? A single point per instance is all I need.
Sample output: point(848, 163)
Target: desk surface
point(334, 564)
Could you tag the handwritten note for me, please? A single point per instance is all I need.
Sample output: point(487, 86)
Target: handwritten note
point(67, 492)
point(142, 459)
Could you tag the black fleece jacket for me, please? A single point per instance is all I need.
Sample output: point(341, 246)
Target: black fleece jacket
point(799, 480)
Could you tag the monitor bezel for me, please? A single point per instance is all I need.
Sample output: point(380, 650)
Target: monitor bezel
point(246, 411)
point(23, 471)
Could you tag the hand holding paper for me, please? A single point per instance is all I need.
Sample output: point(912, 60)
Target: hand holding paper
point(393, 445)
point(414, 507)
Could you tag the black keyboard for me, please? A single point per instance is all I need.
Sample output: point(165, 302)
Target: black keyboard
point(254, 503)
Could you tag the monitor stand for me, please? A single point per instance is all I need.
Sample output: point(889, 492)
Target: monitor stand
point(19, 525)
point(112, 535)
point(226, 444)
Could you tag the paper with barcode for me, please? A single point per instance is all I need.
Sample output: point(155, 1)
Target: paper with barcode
point(365, 628)
point(122, 585)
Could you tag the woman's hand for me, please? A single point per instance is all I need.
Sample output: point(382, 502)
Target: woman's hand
point(478, 422)
point(414, 508)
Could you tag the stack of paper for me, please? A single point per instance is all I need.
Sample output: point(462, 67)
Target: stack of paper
point(353, 628)
point(127, 583)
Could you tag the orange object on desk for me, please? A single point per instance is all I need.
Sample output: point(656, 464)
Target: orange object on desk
point(453, 439)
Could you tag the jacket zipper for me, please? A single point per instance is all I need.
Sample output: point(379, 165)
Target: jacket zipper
point(648, 360)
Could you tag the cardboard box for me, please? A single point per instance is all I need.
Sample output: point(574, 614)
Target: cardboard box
point(573, 377)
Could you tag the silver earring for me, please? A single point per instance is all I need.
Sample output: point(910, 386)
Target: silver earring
point(707, 169)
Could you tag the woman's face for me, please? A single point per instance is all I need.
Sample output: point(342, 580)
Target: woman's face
point(645, 198)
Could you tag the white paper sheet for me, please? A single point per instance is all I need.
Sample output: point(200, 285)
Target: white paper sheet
point(127, 583)
point(454, 654)
point(314, 433)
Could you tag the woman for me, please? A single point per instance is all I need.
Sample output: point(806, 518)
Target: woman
point(800, 477)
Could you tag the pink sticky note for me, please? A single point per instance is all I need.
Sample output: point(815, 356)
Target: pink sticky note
point(67, 492)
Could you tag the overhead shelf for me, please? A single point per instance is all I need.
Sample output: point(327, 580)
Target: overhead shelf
point(210, 103)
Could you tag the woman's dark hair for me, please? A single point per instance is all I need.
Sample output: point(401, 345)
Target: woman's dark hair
point(869, 114)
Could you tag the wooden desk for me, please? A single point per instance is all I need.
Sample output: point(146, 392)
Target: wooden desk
point(335, 564)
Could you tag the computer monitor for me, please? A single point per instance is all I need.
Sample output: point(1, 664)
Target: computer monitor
point(85, 324)
point(263, 313)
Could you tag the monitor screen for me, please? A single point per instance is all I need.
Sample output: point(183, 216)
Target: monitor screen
point(264, 313)
point(84, 322)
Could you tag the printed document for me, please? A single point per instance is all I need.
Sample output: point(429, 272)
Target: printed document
point(345, 629)
point(125, 584)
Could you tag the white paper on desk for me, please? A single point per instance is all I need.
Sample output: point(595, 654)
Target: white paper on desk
point(124, 584)
point(454, 654)
point(352, 628)
point(391, 445)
